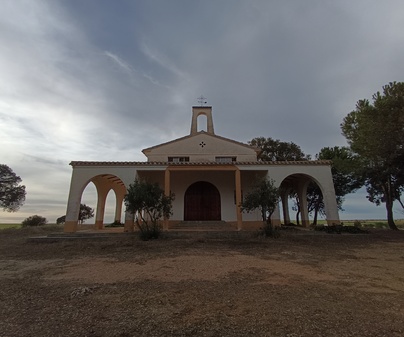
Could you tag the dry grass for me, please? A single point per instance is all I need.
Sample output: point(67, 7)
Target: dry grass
point(314, 284)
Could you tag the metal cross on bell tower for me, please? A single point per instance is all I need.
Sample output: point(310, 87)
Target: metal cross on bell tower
point(202, 100)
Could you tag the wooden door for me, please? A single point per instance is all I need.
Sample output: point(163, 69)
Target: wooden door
point(202, 202)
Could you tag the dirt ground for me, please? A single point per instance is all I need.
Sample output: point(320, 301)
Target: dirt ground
point(297, 285)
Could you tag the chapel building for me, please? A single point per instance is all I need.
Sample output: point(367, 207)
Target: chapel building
point(208, 174)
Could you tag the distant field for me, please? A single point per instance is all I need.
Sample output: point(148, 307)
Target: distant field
point(9, 225)
point(15, 225)
point(374, 223)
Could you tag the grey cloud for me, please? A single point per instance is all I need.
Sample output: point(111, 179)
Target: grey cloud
point(100, 80)
point(56, 163)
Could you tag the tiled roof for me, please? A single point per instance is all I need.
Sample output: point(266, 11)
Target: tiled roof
point(238, 163)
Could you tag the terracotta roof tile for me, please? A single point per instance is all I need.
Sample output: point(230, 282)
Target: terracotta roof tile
point(239, 163)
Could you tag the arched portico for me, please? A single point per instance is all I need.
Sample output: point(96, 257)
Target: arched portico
point(104, 184)
point(104, 180)
point(299, 183)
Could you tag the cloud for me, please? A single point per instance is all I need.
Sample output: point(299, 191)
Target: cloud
point(120, 62)
point(99, 80)
point(163, 61)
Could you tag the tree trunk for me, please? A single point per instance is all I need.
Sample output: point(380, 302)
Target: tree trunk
point(316, 210)
point(388, 194)
point(315, 216)
point(297, 217)
point(269, 220)
point(390, 219)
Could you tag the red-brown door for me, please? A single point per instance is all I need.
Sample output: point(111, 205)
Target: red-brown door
point(202, 202)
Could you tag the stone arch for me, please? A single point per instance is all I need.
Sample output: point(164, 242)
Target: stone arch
point(202, 202)
point(298, 183)
point(104, 183)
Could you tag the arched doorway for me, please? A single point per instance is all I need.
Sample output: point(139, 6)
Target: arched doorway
point(202, 202)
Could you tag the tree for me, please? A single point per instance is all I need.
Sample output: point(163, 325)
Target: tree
point(345, 169)
point(148, 203)
point(61, 220)
point(315, 202)
point(85, 213)
point(12, 194)
point(276, 150)
point(34, 220)
point(375, 132)
point(265, 197)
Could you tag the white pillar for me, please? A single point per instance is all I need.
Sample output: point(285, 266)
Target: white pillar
point(77, 185)
point(239, 216)
point(302, 194)
point(330, 200)
point(118, 206)
point(129, 224)
point(102, 192)
point(285, 207)
point(276, 216)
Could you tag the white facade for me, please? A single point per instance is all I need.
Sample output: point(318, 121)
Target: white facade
point(207, 173)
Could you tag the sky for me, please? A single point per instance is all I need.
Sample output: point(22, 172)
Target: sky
point(100, 80)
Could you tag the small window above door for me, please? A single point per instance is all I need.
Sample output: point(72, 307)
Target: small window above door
point(178, 159)
point(225, 159)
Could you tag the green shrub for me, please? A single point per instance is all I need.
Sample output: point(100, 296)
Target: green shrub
point(150, 204)
point(354, 230)
point(61, 220)
point(380, 225)
point(334, 228)
point(290, 224)
point(270, 231)
point(319, 227)
point(357, 223)
point(339, 228)
point(34, 220)
point(149, 231)
point(115, 224)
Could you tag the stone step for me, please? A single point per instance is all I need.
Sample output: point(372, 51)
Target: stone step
point(195, 223)
point(69, 238)
point(220, 235)
point(87, 234)
point(203, 226)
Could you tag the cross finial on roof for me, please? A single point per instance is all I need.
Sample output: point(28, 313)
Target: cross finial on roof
point(202, 100)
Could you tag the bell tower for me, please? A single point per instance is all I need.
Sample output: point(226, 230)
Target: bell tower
point(202, 110)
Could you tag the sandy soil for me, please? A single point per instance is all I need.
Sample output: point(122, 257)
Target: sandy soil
point(297, 285)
